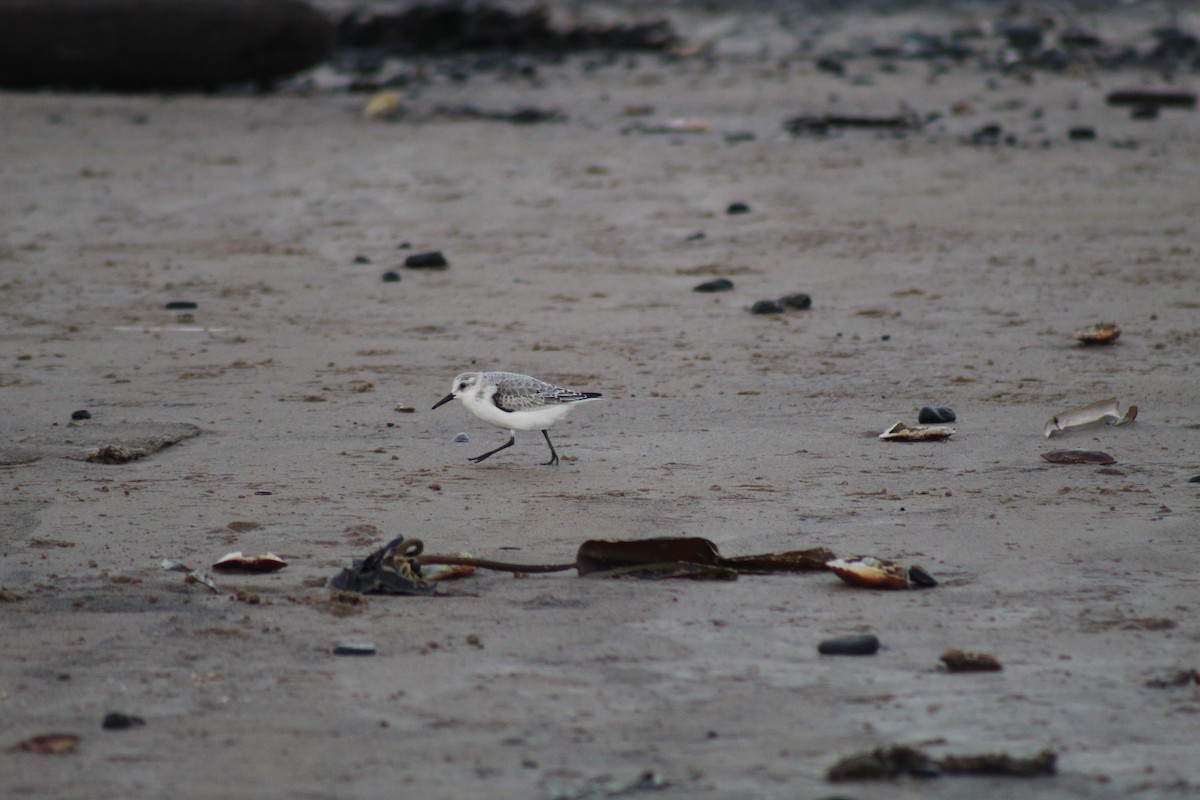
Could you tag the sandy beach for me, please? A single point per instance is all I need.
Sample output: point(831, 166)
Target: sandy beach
point(290, 411)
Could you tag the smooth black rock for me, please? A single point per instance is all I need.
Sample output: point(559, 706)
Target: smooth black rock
point(928, 415)
point(431, 260)
point(391, 276)
point(149, 45)
point(82, 413)
point(767, 307)
point(1082, 133)
point(361, 260)
point(1194, 479)
point(738, 207)
point(859, 644)
point(116, 721)
point(182, 305)
point(715, 285)
point(799, 302)
point(694, 237)
point(920, 578)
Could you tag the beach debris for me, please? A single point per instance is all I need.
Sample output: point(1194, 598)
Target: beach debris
point(899, 432)
point(182, 305)
point(1194, 479)
point(1106, 411)
point(885, 763)
point(1081, 133)
point(384, 106)
point(597, 556)
point(52, 744)
point(448, 572)
point(190, 575)
point(956, 660)
point(461, 438)
point(433, 259)
point(118, 721)
point(715, 285)
point(448, 26)
point(391, 276)
point(829, 124)
point(737, 207)
point(859, 644)
point(1184, 677)
point(236, 562)
point(1150, 98)
point(797, 302)
point(402, 567)
point(1100, 333)
point(928, 415)
point(354, 649)
point(392, 569)
point(116, 454)
point(1079, 457)
point(767, 307)
point(522, 115)
point(870, 572)
point(81, 414)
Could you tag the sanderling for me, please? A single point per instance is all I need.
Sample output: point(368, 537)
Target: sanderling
point(514, 402)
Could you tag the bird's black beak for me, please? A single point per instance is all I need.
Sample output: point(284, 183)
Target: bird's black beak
point(445, 399)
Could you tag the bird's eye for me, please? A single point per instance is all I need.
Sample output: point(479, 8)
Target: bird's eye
point(462, 387)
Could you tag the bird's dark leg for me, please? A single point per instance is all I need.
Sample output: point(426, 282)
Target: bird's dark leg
point(553, 455)
point(512, 438)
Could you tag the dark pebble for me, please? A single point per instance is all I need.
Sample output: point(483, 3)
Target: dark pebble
point(920, 578)
point(263, 493)
point(887, 337)
point(116, 721)
point(361, 260)
point(1144, 112)
point(391, 276)
point(182, 305)
point(1082, 133)
point(354, 649)
point(1194, 479)
point(766, 307)
point(461, 438)
point(82, 413)
point(694, 237)
point(859, 644)
point(928, 415)
point(987, 134)
point(715, 285)
point(738, 207)
point(832, 65)
point(1024, 37)
point(431, 260)
point(404, 246)
point(800, 302)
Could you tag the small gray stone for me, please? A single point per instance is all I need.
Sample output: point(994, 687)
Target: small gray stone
point(859, 644)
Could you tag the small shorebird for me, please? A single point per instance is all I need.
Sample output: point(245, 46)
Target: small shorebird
point(514, 402)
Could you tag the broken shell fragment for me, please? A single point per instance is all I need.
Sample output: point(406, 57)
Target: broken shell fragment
point(236, 562)
point(869, 572)
point(899, 432)
point(1105, 411)
point(53, 744)
point(1100, 333)
point(1078, 457)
